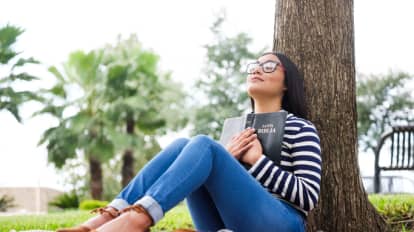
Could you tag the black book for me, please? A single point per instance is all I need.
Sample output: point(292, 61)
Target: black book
point(270, 128)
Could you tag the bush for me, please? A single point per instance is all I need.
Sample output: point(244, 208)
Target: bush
point(66, 201)
point(92, 204)
point(6, 202)
point(398, 210)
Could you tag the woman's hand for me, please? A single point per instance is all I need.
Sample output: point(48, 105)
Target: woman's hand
point(242, 142)
point(254, 153)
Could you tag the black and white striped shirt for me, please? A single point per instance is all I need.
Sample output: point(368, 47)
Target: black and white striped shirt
point(297, 178)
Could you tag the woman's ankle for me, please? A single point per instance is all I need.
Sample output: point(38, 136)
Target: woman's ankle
point(105, 215)
point(140, 220)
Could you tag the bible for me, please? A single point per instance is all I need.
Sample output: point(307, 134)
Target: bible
point(269, 127)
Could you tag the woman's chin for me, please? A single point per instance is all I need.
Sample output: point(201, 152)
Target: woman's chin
point(254, 90)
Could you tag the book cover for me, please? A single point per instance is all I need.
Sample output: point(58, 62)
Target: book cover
point(269, 127)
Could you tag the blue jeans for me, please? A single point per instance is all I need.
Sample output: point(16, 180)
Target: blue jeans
point(219, 192)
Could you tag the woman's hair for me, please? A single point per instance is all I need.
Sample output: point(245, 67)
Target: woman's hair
point(293, 99)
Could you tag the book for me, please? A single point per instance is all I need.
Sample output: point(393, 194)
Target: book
point(270, 128)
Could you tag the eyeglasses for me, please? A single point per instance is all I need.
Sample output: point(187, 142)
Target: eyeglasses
point(267, 66)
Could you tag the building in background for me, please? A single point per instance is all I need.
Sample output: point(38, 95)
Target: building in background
point(30, 199)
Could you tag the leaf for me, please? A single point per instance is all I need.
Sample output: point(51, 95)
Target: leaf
point(56, 73)
point(23, 61)
point(51, 109)
point(22, 76)
point(8, 36)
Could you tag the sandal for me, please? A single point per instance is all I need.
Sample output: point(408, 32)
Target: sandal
point(81, 228)
point(138, 209)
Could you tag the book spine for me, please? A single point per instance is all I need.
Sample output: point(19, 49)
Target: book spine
point(249, 120)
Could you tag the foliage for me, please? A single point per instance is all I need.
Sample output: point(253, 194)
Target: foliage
point(75, 100)
point(178, 217)
point(135, 88)
point(382, 101)
point(6, 202)
point(139, 100)
point(10, 97)
point(398, 210)
point(66, 201)
point(97, 94)
point(222, 81)
point(85, 130)
point(92, 204)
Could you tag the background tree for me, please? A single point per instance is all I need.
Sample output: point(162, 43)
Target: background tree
point(382, 101)
point(10, 98)
point(140, 101)
point(319, 37)
point(6, 202)
point(76, 100)
point(223, 81)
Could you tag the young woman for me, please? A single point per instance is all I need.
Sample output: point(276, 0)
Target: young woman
point(219, 191)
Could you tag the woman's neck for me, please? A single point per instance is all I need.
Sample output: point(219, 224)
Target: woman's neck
point(267, 106)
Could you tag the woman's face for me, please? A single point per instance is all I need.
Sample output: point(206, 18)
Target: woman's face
point(264, 79)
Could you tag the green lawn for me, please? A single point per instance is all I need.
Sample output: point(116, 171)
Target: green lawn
point(398, 210)
point(176, 218)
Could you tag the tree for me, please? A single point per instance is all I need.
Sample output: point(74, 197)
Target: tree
point(223, 80)
point(10, 98)
point(319, 37)
point(140, 98)
point(6, 202)
point(76, 100)
point(382, 101)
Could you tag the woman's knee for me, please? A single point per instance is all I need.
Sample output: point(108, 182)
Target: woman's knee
point(181, 142)
point(203, 139)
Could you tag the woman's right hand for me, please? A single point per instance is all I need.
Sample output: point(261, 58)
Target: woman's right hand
point(241, 142)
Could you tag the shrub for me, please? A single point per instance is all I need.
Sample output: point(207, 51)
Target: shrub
point(398, 210)
point(92, 204)
point(6, 202)
point(66, 201)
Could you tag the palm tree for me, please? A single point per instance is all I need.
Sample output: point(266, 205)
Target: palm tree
point(11, 99)
point(76, 100)
point(138, 97)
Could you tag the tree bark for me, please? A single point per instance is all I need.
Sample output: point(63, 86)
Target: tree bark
point(96, 178)
point(128, 157)
point(319, 37)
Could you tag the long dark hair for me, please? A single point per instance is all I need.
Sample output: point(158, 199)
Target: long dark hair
point(293, 99)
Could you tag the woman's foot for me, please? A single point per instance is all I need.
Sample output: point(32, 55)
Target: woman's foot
point(132, 219)
point(105, 215)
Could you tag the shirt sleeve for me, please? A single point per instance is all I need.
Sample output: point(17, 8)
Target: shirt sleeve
point(300, 187)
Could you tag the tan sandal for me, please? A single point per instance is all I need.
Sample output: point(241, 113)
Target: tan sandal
point(138, 209)
point(103, 210)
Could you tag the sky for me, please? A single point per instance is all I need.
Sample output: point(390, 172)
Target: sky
point(177, 31)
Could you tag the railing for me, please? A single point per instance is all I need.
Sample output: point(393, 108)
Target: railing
point(401, 152)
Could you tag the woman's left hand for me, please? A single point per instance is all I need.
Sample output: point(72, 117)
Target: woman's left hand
point(253, 154)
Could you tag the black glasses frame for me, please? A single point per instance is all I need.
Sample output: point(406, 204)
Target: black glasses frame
point(261, 66)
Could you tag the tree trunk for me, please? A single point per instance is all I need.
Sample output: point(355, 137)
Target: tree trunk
point(319, 37)
point(96, 178)
point(128, 157)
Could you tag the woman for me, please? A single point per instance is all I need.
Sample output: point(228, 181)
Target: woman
point(220, 193)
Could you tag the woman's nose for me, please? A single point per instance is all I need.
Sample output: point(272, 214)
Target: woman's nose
point(257, 69)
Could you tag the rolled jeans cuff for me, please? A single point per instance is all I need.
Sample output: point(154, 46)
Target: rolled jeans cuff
point(153, 208)
point(119, 204)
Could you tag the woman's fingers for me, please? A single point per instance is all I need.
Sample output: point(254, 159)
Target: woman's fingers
point(245, 134)
point(241, 143)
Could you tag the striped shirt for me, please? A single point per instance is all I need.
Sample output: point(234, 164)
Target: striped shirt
point(297, 178)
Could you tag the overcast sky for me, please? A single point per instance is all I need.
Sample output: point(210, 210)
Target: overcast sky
point(176, 30)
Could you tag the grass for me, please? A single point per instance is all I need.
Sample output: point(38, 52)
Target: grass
point(397, 209)
point(178, 217)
